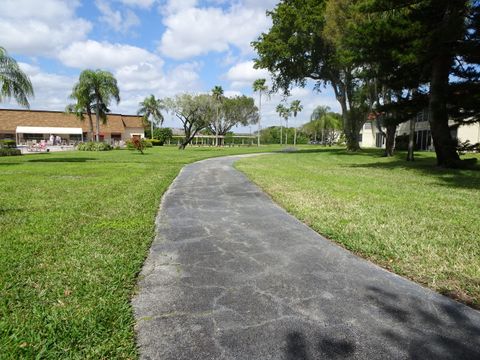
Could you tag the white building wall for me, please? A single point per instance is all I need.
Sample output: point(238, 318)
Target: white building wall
point(469, 132)
point(134, 131)
point(368, 135)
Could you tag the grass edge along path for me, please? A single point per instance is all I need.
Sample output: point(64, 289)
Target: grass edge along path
point(413, 219)
point(75, 229)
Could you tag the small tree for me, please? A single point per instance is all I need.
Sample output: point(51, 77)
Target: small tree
point(239, 110)
point(163, 134)
point(195, 112)
point(138, 144)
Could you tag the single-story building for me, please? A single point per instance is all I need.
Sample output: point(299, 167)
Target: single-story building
point(36, 125)
point(370, 136)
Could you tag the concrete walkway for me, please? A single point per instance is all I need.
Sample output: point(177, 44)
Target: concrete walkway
point(231, 275)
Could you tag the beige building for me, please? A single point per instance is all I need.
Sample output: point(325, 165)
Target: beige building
point(370, 136)
point(36, 125)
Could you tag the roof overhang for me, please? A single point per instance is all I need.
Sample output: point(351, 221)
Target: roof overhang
point(48, 130)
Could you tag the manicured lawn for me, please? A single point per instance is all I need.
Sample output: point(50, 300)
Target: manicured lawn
point(75, 229)
point(414, 219)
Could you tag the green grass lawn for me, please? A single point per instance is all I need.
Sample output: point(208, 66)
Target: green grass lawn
point(413, 219)
point(75, 229)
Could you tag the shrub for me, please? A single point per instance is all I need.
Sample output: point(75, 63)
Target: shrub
point(137, 144)
point(7, 143)
point(163, 135)
point(94, 146)
point(155, 142)
point(10, 151)
point(148, 143)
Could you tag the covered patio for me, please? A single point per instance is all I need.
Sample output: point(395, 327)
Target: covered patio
point(50, 136)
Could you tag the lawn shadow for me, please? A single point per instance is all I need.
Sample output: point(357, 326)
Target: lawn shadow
point(10, 210)
point(63, 160)
point(376, 153)
point(8, 163)
point(465, 179)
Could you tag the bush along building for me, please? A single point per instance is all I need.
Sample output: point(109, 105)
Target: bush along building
point(25, 126)
point(372, 136)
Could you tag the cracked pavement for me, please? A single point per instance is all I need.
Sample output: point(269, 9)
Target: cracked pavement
point(231, 275)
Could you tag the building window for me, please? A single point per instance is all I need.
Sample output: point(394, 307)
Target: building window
point(360, 137)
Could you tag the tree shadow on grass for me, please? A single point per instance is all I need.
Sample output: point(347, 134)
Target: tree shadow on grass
point(63, 160)
point(376, 153)
point(464, 179)
point(10, 210)
point(9, 163)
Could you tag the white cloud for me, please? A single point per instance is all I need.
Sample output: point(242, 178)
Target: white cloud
point(94, 54)
point(115, 19)
point(243, 74)
point(192, 31)
point(174, 6)
point(146, 4)
point(33, 27)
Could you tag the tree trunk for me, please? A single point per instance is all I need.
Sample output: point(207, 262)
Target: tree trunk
point(411, 141)
point(286, 132)
point(295, 137)
point(349, 129)
point(390, 140)
point(90, 123)
point(281, 134)
point(445, 146)
point(259, 117)
point(97, 116)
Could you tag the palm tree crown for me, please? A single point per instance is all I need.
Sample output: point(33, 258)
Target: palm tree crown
point(97, 88)
point(295, 107)
point(13, 81)
point(151, 109)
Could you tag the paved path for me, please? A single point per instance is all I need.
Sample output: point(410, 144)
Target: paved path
point(231, 275)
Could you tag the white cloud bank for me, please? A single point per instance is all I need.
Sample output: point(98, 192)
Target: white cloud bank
point(192, 31)
point(33, 27)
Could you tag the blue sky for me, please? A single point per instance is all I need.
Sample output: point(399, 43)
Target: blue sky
point(160, 47)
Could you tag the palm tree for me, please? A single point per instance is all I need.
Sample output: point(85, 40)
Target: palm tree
point(285, 113)
point(13, 81)
point(98, 88)
point(151, 109)
point(217, 93)
point(319, 115)
point(280, 111)
point(82, 105)
point(295, 108)
point(260, 87)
